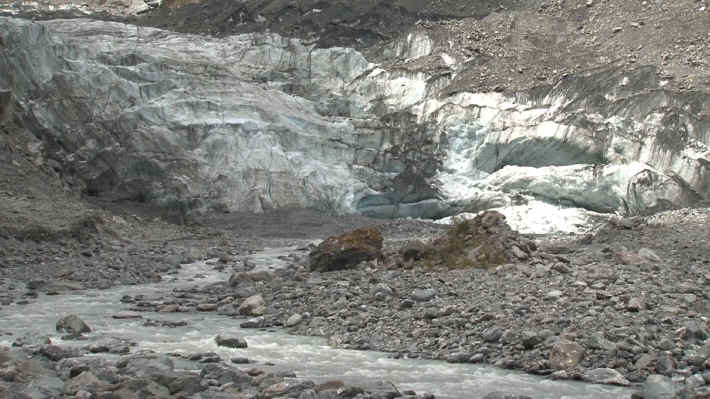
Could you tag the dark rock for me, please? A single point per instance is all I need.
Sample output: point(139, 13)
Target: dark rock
point(225, 375)
point(85, 381)
point(207, 307)
point(288, 389)
point(694, 330)
point(35, 284)
point(57, 353)
point(127, 315)
point(347, 250)
point(32, 339)
point(665, 364)
point(504, 395)
point(73, 325)
point(186, 385)
point(529, 339)
point(140, 388)
point(415, 250)
point(492, 334)
point(231, 342)
point(256, 322)
point(458, 357)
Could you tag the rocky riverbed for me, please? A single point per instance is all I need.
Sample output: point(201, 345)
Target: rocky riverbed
point(624, 305)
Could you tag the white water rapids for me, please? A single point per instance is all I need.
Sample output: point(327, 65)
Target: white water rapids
point(308, 357)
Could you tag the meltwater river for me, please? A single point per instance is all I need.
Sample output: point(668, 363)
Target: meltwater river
point(308, 357)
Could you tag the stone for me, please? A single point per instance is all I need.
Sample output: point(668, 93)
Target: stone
point(694, 381)
point(635, 304)
point(57, 353)
point(529, 339)
point(414, 251)
point(554, 294)
point(659, 387)
point(645, 362)
point(140, 388)
point(693, 330)
point(186, 385)
point(665, 364)
point(231, 342)
point(565, 354)
point(649, 256)
point(207, 307)
point(505, 395)
point(625, 257)
point(605, 376)
point(597, 341)
point(384, 290)
point(86, 381)
point(252, 306)
point(492, 334)
point(294, 320)
point(256, 322)
point(346, 250)
point(225, 375)
point(127, 315)
point(73, 325)
point(423, 295)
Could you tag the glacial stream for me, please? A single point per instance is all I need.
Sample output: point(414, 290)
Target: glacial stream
point(308, 357)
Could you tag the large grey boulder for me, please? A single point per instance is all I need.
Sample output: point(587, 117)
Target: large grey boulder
point(252, 306)
point(73, 325)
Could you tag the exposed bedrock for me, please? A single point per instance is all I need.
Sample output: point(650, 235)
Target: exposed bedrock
point(259, 121)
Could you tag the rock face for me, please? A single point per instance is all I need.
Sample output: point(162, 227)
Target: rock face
point(346, 250)
point(258, 121)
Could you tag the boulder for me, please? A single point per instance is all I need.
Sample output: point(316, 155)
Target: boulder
point(565, 354)
point(73, 325)
point(225, 375)
point(141, 388)
point(659, 387)
point(605, 376)
point(484, 241)
point(347, 250)
point(253, 306)
point(85, 381)
point(294, 320)
point(414, 250)
point(231, 342)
